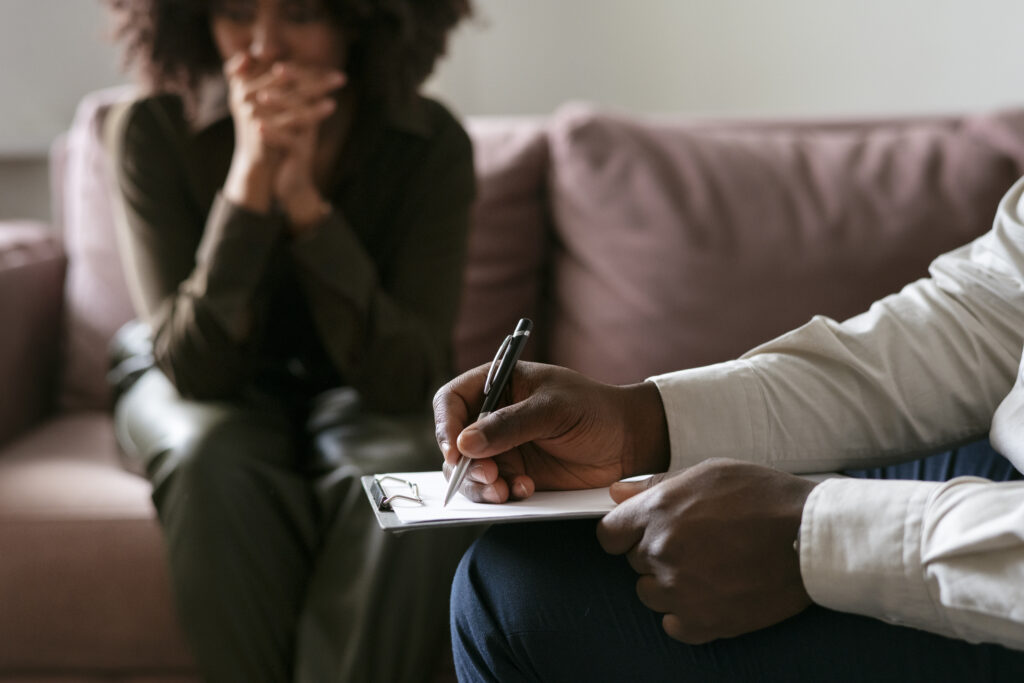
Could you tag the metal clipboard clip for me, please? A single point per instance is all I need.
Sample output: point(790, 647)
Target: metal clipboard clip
point(382, 498)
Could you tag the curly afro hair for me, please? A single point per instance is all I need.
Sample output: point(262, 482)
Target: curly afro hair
point(170, 42)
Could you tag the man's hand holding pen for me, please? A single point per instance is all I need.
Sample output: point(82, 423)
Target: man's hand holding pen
point(712, 545)
point(559, 431)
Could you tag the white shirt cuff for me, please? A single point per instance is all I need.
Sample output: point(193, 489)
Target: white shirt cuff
point(860, 549)
point(727, 412)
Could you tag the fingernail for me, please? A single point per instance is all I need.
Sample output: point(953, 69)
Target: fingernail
point(472, 440)
point(445, 448)
point(520, 490)
point(492, 495)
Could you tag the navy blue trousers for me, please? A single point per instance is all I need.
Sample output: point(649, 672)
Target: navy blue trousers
point(544, 602)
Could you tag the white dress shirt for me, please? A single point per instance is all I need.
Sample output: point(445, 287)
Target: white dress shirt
point(921, 371)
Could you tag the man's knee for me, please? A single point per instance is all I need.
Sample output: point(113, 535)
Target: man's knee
point(512, 562)
point(517, 590)
point(476, 628)
point(464, 598)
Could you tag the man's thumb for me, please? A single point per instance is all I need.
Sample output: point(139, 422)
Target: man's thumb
point(624, 490)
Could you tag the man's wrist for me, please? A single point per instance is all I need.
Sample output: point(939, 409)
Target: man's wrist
point(647, 429)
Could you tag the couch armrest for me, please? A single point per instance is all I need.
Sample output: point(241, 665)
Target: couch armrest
point(32, 266)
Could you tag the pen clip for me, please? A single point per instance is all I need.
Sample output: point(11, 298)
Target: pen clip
point(496, 363)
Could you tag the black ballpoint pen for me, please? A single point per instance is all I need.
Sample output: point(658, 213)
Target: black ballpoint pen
point(497, 377)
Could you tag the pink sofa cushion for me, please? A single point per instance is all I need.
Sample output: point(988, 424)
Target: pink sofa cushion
point(83, 576)
point(506, 250)
point(96, 298)
point(683, 244)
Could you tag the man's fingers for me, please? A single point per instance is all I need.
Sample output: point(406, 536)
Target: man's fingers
point(485, 484)
point(640, 561)
point(532, 418)
point(521, 487)
point(482, 471)
point(496, 492)
point(651, 593)
point(452, 405)
point(508, 428)
point(622, 528)
point(677, 629)
point(622, 491)
point(690, 631)
point(673, 627)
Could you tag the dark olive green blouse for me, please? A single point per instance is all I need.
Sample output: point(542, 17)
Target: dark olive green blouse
point(366, 299)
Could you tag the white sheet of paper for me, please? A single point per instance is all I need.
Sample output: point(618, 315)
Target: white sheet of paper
point(588, 502)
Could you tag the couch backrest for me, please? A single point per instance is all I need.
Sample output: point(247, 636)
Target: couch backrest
point(639, 245)
point(682, 243)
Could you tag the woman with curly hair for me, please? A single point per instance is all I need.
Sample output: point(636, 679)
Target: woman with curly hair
point(294, 226)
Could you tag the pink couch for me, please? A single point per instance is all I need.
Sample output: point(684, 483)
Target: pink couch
point(637, 245)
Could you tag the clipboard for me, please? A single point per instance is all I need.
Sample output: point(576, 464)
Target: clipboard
point(380, 501)
point(426, 490)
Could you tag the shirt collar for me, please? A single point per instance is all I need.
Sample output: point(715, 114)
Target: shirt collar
point(212, 107)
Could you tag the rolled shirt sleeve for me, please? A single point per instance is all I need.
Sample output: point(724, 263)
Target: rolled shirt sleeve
point(921, 370)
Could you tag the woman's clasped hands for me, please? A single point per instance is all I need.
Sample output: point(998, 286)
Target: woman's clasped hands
point(278, 110)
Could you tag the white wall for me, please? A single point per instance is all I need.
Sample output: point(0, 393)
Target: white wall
point(706, 57)
point(51, 53)
point(738, 57)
